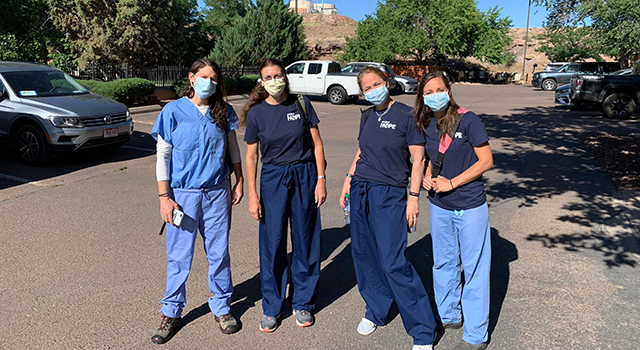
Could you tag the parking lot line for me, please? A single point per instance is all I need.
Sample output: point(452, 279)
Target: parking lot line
point(22, 180)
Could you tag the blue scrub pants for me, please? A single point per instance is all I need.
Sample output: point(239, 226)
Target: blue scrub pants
point(209, 211)
point(462, 236)
point(287, 193)
point(384, 275)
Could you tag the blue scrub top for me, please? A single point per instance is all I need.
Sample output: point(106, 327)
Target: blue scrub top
point(281, 131)
point(384, 146)
point(459, 157)
point(199, 145)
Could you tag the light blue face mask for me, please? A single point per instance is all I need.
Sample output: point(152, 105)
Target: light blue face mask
point(437, 102)
point(377, 96)
point(204, 88)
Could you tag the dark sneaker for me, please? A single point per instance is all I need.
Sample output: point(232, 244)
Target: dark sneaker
point(456, 325)
point(228, 323)
point(463, 345)
point(268, 324)
point(304, 318)
point(167, 329)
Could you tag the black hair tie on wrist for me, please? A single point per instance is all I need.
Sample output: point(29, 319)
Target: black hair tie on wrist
point(415, 194)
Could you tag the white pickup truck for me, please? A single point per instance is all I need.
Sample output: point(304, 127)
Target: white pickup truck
point(322, 78)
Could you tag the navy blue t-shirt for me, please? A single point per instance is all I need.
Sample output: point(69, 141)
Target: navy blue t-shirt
point(281, 131)
point(384, 146)
point(459, 157)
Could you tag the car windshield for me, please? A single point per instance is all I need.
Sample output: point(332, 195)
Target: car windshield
point(621, 72)
point(43, 84)
point(388, 69)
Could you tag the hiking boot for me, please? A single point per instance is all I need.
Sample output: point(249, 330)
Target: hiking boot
point(228, 323)
point(168, 327)
point(456, 325)
point(366, 327)
point(463, 345)
point(304, 318)
point(269, 324)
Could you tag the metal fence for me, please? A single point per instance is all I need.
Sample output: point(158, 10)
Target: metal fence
point(162, 76)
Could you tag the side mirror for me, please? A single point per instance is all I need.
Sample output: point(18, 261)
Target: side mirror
point(86, 87)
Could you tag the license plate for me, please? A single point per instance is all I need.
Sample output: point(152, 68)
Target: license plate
point(110, 132)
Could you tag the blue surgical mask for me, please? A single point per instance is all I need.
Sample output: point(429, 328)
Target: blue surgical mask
point(437, 102)
point(204, 87)
point(377, 96)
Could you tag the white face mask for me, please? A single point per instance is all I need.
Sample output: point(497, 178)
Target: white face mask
point(275, 87)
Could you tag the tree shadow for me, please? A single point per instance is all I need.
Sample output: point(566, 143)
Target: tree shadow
point(542, 156)
point(141, 145)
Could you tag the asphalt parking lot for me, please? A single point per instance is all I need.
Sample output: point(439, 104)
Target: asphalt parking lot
point(82, 265)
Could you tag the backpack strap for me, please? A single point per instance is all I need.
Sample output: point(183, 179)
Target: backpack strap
point(302, 108)
point(365, 115)
point(444, 144)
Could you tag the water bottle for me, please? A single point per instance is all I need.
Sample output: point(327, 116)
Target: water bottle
point(347, 209)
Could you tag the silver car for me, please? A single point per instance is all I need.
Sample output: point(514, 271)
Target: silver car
point(356, 67)
point(43, 111)
point(407, 85)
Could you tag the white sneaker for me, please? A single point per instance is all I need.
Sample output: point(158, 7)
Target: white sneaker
point(423, 347)
point(366, 327)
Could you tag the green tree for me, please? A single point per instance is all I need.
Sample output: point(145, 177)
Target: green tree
point(221, 14)
point(268, 30)
point(612, 26)
point(429, 30)
point(26, 31)
point(568, 44)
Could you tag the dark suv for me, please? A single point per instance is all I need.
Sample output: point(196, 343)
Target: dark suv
point(548, 81)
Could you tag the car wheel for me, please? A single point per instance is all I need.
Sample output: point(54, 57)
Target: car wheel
point(549, 85)
point(619, 106)
point(31, 145)
point(337, 95)
point(400, 89)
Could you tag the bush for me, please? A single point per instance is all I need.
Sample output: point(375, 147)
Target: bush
point(127, 91)
point(246, 83)
point(230, 84)
point(179, 86)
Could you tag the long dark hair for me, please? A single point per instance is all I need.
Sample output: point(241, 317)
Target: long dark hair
point(217, 107)
point(259, 94)
point(422, 114)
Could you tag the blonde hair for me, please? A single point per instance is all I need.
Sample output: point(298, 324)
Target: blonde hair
point(374, 70)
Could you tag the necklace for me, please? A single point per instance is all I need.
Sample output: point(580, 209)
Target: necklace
point(382, 115)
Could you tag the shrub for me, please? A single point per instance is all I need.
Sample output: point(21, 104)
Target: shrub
point(126, 91)
point(230, 84)
point(246, 83)
point(179, 86)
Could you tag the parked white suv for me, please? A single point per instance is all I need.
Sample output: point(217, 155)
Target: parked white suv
point(43, 110)
point(322, 78)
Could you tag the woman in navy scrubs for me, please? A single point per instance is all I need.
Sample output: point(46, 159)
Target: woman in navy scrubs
point(194, 134)
point(292, 189)
point(458, 211)
point(381, 212)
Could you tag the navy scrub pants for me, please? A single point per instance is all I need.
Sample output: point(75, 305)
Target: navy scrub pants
point(287, 194)
point(384, 275)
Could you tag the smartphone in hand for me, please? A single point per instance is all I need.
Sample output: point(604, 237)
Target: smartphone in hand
point(177, 217)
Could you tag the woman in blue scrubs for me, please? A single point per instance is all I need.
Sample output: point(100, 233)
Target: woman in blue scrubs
point(292, 189)
point(381, 212)
point(195, 134)
point(459, 216)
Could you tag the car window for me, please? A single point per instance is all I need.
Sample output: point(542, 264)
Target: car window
point(43, 83)
point(314, 68)
point(387, 69)
point(589, 67)
point(297, 68)
point(572, 68)
point(348, 68)
point(334, 67)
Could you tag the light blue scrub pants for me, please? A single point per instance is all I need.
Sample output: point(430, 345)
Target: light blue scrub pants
point(462, 236)
point(209, 211)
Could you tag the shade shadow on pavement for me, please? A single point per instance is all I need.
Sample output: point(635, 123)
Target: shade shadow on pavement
point(542, 156)
point(141, 145)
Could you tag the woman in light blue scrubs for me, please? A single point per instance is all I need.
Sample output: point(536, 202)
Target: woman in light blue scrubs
point(458, 211)
point(196, 134)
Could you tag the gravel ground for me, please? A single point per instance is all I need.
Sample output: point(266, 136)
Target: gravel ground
point(619, 155)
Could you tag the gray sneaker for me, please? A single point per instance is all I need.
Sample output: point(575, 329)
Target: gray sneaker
point(227, 323)
point(269, 324)
point(463, 345)
point(304, 318)
point(456, 325)
point(168, 327)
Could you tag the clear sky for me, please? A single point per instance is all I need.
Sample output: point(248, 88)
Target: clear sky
point(515, 9)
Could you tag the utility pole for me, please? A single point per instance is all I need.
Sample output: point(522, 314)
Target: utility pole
point(296, 7)
point(526, 41)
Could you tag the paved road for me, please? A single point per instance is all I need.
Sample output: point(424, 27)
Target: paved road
point(82, 265)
